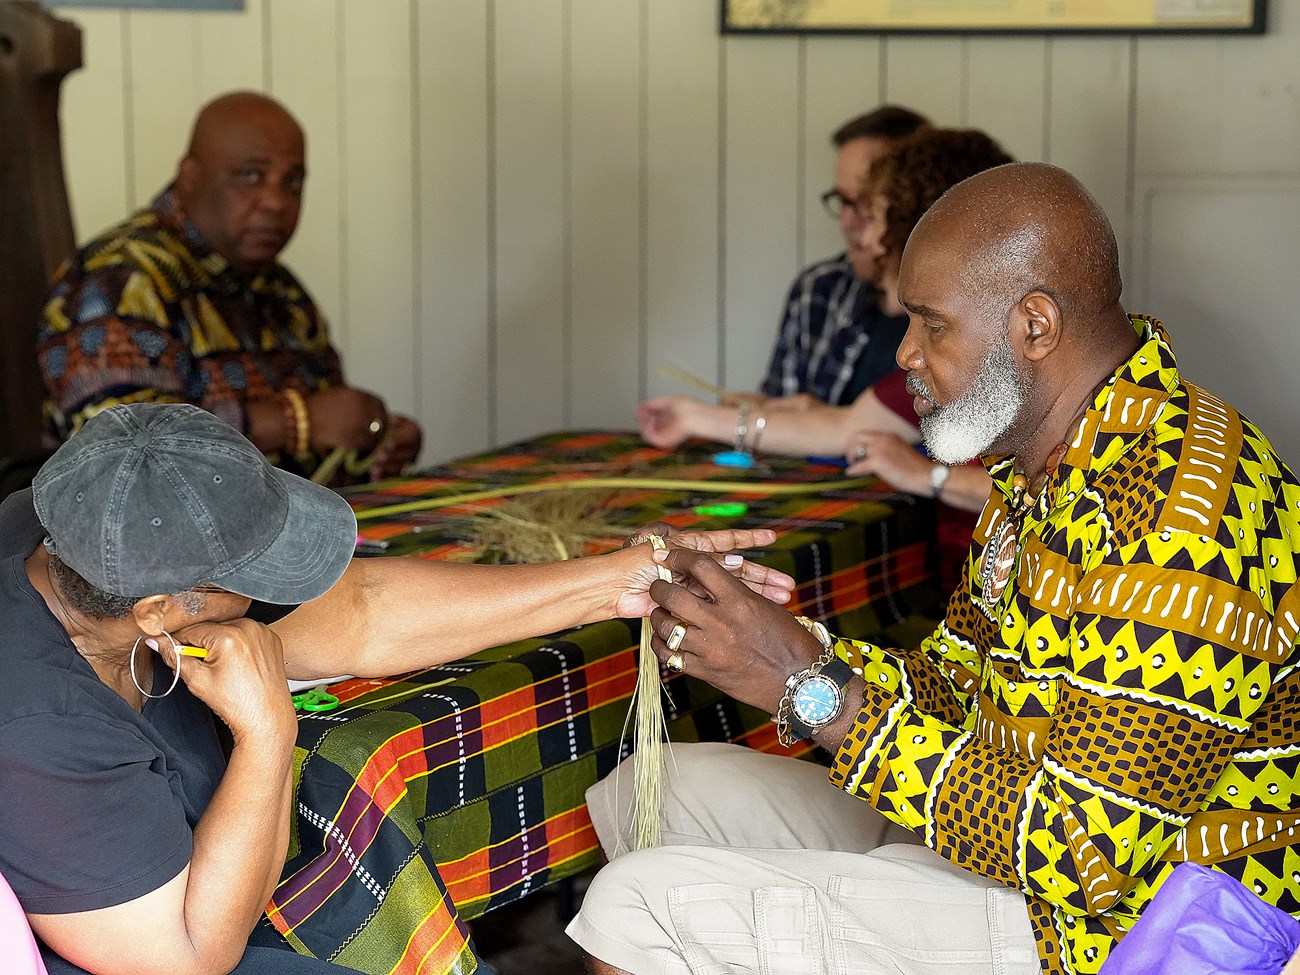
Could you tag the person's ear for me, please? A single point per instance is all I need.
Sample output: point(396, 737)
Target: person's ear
point(187, 178)
point(1036, 320)
point(150, 614)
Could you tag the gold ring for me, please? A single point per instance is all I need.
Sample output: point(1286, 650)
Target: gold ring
point(376, 426)
point(676, 662)
point(676, 637)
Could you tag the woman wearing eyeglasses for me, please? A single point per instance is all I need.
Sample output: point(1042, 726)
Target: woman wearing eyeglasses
point(877, 432)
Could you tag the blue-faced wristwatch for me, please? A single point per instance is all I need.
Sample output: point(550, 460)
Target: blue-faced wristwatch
point(813, 697)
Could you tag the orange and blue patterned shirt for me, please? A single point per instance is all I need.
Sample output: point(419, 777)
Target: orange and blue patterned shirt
point(148, 312)
point(1134, 700)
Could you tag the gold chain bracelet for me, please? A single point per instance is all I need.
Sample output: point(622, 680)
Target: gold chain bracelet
point(782, 718)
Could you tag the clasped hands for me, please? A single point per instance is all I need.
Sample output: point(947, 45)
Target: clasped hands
point(737, 634)
point(343, 416)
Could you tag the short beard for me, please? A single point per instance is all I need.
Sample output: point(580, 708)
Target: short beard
point(970, 424)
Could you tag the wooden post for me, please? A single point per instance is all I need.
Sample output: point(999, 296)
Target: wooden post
point(36, 51)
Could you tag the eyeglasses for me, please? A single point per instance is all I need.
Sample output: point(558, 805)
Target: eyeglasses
point(836, 203)
point(209, 588)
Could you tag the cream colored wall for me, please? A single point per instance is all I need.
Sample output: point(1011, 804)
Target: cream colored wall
point(519, 209)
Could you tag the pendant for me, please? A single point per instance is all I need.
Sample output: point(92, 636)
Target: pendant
point(997, 562)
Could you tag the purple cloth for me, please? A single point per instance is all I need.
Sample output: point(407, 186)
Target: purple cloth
point(1202, 922)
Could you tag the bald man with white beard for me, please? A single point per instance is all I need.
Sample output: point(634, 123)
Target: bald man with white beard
point(1111, 693)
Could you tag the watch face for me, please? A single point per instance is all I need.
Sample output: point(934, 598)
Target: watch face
point(816, 701)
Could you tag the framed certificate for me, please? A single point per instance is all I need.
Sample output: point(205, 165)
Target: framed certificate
point(994, 16)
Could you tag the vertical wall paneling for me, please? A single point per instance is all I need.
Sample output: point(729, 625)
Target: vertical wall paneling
point(1178, 112)
point(1216, 200)
point(452, 120)
point(762, 199)
point(531, 220)
point(1233, 333)
point(378, 337)
point(303, 64)
point(928, 74)
point(1262, 95)
point(229, 53)
point(682, 191)
point(1089, 118)
point(164, 93)
point(518, 211)
point(94, 116)
point(1007, 91)
point(1221, 105)
point(842, 81)
point(605, 194)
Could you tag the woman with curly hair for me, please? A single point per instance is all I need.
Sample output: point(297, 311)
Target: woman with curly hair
point(877, 433)
point(906, 181)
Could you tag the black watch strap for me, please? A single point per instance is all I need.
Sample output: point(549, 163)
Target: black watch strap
point(840, 673)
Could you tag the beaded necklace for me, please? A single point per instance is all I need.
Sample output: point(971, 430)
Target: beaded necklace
point(998, 560)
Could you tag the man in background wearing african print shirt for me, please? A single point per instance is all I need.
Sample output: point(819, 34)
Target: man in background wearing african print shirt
point(1113, 691)
point(186, 302)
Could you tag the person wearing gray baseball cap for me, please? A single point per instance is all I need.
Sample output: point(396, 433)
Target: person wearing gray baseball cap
point(159, 580)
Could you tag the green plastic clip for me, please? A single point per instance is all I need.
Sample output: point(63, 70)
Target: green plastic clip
point(723, 509)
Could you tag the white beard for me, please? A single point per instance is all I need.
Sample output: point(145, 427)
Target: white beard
point(969, 425)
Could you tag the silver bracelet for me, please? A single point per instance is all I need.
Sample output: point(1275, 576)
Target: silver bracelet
point(742, 426)
point(759, 424)
point(782, 716)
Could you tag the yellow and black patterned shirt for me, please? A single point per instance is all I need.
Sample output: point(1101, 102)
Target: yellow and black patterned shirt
point(148, 312)
point(1136, 703)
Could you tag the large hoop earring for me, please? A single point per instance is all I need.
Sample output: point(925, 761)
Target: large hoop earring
point(176, 675)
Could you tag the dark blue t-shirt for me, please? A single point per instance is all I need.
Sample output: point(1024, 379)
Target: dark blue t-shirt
point(97, 802)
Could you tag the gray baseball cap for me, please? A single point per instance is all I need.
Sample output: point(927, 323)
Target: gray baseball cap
point(154, 498)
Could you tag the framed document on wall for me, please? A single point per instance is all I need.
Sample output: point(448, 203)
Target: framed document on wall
point(993, 16)
point(193, 6)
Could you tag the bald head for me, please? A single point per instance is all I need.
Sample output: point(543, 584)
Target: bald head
point(1028, 227)
point(241, 179)
point(234, 111)
point(1012, 284)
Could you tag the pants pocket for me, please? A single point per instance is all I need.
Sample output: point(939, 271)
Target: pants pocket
point(924, 929)
point(727, 930)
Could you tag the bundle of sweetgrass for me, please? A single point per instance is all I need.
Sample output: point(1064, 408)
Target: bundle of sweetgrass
point(648, 736)
point(557, 525)
point(542, 527)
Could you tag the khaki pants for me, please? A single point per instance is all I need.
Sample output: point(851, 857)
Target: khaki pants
point(765, 867)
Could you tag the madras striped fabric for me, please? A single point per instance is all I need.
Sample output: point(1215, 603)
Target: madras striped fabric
point(443, 794)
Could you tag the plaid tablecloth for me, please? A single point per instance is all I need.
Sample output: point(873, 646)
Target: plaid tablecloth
point(443, 794)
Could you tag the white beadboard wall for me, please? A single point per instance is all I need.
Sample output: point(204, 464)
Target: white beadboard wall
point(518, 210)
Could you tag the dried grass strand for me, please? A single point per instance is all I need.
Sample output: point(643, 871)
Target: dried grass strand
point(623, 483)
point(694, 379)
point(649, 735)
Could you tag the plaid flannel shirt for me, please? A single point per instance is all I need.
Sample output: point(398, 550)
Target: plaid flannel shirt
point(834, 341)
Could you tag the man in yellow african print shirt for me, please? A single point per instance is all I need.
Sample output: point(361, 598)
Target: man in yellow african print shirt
point(1113, 691)
point(187, 302)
